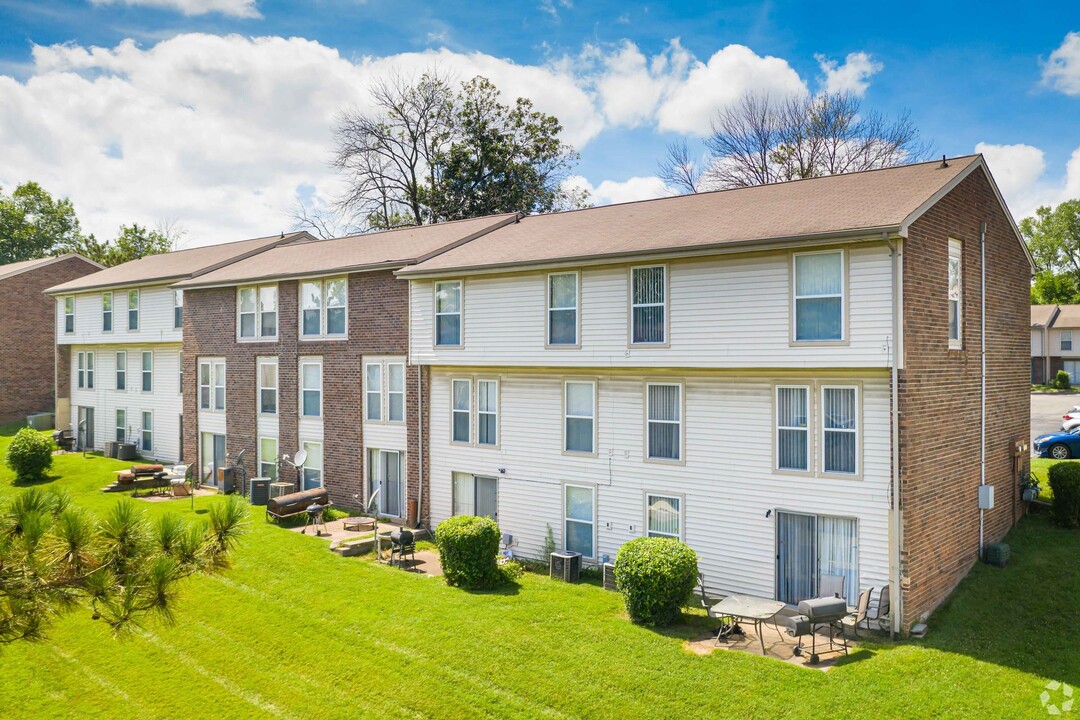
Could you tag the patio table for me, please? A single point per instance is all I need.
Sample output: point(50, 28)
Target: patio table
point(753, 610)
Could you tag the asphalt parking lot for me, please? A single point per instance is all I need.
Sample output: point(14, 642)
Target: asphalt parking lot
point(1046, 412)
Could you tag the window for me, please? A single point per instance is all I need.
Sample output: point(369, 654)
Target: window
point(1066, 340)
point(69, 315)
point(792, 432)
point(106, 311)
point(664, 415)
point(580, 413)
point(258, 309)
point(80, 370)
point(248, 300)
point(647, 305)
point(487, 412)
point(121, 370)
point(268, 311)
point(268, 455)
point(663, 516)
point(313, 466)
point(211, 385)
point(133, 309)
point(177, 309)
point(956, 295)
point(373, 392)
point(819, 296)
point(462, 396)
point(474, 495)
point(323, 306)
point(147, 431)
point(268, 386)
point(448, 313)
point(148, 371)
point(839, 422)
point(86, 370)
point(311, 387)
point(395, 392)
point(219, 386)
point(579, 519)
point(180, 373)
point(121, 425)
point(204, 385)
point(386, 473)
point(562, 309)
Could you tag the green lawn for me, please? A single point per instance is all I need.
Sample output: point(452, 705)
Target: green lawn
point(291, 622)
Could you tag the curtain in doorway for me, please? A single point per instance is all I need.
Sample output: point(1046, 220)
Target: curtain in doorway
point(839, 552)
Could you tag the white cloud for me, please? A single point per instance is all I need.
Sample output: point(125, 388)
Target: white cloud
point(236, 8)
point(1020, 172)
point(851, 77)
point(629, 85)
point(1061, 71)
point(613, 191)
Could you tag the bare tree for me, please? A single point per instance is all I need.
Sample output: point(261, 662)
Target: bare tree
point(678, 169)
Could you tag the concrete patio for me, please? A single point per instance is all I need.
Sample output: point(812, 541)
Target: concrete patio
point(778, 645)
point(350, 543)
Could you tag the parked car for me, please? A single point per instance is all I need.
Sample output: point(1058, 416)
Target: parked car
point(1059, 445)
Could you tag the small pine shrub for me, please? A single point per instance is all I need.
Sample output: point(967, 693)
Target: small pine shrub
point(1065, 485)
point(655, 576)
point(1061, 380)
point(29, 455)
point(468, 548)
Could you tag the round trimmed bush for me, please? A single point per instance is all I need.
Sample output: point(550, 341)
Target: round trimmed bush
point(29, 455)
point(1065, 484)
point(656, 577)
point(468, 548)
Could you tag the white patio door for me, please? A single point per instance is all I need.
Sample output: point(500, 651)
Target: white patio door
point(386, 471)
point(86, 428)
point(810, 546)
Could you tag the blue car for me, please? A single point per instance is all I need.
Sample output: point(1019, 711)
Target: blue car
point(1059, 445)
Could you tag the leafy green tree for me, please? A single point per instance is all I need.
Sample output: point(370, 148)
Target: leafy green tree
point(1053, 236)
point(33, 224)
point(133, 242)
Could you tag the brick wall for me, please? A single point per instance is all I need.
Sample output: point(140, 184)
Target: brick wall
point(940, 392)
point(28, 338)
point(377, 322)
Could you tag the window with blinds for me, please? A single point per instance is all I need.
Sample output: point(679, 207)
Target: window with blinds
point(268, 386)
point(580, 419)
point(664, 413)
point(839, 422)
point(311, 388)
point(792, 429)
point(819, 296)
point(648, 305)
point(664, 516)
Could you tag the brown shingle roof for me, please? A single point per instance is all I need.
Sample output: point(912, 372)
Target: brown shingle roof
point(12, 269)
point(172, 266)
point(1068, 317)
point(390, 248)
point(1041, 315)
point(872, 201)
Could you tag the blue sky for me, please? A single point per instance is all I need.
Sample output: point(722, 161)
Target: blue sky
point(203, 112)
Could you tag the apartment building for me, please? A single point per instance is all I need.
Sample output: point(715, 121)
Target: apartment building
point(119, 339)
point(784, 377)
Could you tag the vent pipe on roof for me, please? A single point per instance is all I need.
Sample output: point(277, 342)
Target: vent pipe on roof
point(944, 162)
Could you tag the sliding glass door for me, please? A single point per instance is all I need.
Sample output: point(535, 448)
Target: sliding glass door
point(815, 554)
point(386, 472)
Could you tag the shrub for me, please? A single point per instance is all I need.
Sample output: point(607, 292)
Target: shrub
point(29, 455)
point(1065, 485)
point(1061, 380)
point(656, 577)
point(510, 570)
point(468, 547)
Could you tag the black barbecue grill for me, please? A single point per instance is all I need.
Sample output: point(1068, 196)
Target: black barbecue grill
point(816, 614)
point(315, 519)
point(402, 543)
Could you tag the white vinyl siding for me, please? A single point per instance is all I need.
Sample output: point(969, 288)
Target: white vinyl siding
point(268, 386)
point(133, 309)
point(311, 387)
point(106, 312)
point(819, 296)
point(956, 295)
point(663, 516)
point(448, 313)
point(154, 311)
point(648, 305)
point(579, 434)
point(121, 370)
point(792, 428)
point(664, 432)
point(562, 309)
point(324, 308)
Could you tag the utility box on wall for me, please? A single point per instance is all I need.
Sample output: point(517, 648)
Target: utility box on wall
point(986, 497)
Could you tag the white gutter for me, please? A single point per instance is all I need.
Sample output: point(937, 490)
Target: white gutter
point(982, 379)
point(895, 516)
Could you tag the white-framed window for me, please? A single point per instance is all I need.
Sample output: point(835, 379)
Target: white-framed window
point(956, 294)
point(819, 296)
point(474, 495)
point(487, 412)
point(1066, 340)
point(85, 370)
point(648, 305)
point(133, 309)
point(178, 309)
point(90, 370)
point(69, 315)
point(257, 306)
point(395, 392)
point(313, 465)
point(311, 387)
point(121, 425)
point(121, 370)
point(106, 311)
point(268, 454)
point(663, 516)
point(792, 427)
point(579, 519)
point(373, 391)
point(840, 429)
point(562, 309)
point(205, 370)
point(579, 416)
point(324, 308)
point(219, 386)
point(448, 312)
point(148, 371)
point(386, 473)
point(80, 370)
point(268, 385)
point(664, 421)
point(147, 431)
point(461, 392)
point(212, 385)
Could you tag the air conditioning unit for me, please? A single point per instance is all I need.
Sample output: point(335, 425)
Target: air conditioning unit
point(259, 490)
point(565, 566)
point(609, 577)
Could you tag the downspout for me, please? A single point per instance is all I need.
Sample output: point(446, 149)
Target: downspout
point(420, 444)
point(982, 379)
point(895, 517)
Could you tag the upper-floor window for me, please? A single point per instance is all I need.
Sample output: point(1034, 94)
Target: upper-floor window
point(648, 305)
point(956, 294)
point(819, 296)
point(258, 311)
point(563, 308)
point(323, 307)
point(664, 421)
point(177, 309)
point(121, 370)
point(384, 391)
point(1066, 340)
point(580, 416)
point(106, 311)
point(212, 385)
point(133, 309)
point(268, 385)
point(373, 391)
point(85, 370)
point(395, 392)
point(448, 312)
point(148, 371)
point(792, 428)
point(840, 428)
point(311, 387)
point(69, 314)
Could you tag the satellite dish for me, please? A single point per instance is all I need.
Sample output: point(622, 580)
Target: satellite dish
point(371, 503)
point(300, 458)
